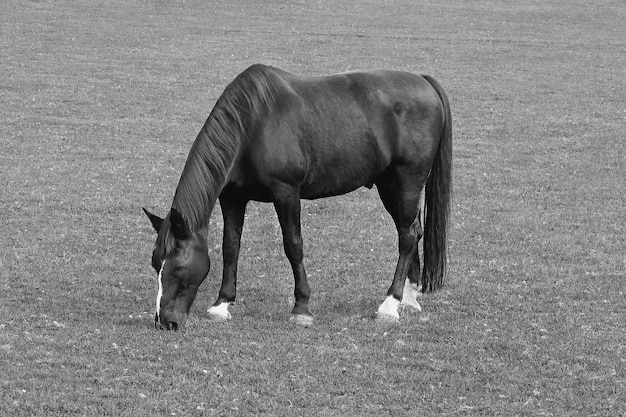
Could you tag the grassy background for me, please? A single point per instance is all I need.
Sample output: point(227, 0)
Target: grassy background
point(100, 102)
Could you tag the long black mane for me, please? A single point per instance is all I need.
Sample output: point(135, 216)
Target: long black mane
point(216, 147)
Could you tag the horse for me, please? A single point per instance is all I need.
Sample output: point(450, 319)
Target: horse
point(278, 138)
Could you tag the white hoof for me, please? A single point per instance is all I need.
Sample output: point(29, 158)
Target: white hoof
point(410, 294)
point(388, 310)
point(219, 312)
point(302, 320)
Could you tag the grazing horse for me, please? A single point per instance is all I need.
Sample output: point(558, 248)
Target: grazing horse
point(276, 137)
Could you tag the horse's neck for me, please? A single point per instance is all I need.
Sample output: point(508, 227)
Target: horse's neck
point(209, 162)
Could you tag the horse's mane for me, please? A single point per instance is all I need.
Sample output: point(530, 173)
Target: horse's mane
point(216, 147)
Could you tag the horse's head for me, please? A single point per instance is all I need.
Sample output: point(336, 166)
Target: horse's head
point(181, 260)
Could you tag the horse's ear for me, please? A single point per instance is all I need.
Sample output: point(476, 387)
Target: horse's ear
point(154, 219)
point(178, 224)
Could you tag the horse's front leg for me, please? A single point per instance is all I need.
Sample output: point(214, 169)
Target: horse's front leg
point(233, 212)
point(287, 205)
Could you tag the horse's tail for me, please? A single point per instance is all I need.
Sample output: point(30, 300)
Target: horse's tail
point(437, 201)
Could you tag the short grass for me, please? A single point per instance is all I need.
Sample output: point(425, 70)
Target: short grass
point(99, 104)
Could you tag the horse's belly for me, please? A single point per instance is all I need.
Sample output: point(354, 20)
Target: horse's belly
point(313, 192)
point(340, 177)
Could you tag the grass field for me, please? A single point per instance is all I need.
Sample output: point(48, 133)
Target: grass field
point(100, 102)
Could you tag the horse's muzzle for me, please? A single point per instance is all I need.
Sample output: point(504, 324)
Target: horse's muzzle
point(161, 323)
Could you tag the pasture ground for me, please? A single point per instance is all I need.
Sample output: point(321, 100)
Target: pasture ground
point(100, 102)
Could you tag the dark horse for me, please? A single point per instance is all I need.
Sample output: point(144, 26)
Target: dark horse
point(275, 137)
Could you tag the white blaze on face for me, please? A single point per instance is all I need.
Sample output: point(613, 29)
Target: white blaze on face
point(160, 291)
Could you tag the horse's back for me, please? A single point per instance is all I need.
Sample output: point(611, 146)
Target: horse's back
point(330, 135)
point(396, 107)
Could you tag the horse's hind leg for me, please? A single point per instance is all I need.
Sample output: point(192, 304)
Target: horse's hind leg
point(287, 205)
point(401, 196)
point(412, 286)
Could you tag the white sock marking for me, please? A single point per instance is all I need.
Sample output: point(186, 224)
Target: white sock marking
point(160, 291)
point(302, 320)
point(219, 312)
point(410, 294)
point(389, 308)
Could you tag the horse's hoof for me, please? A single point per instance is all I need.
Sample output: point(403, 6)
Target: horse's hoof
point(411, 303)
point(219, 312)
point(302, 320)
point(385, 317)
point(388, 310)
point(217, 317)
point(410, 294)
